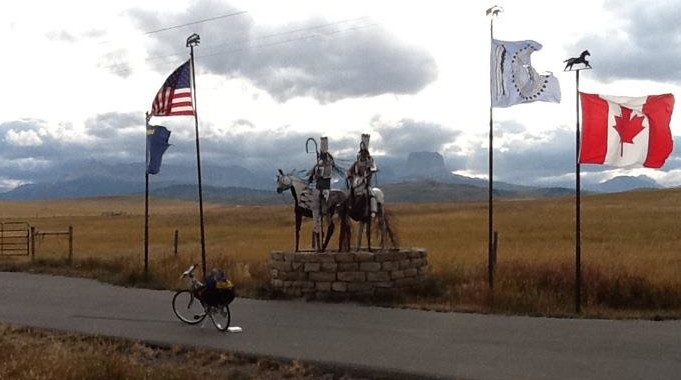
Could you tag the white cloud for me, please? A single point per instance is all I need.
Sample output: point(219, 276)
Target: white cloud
point(23, 138)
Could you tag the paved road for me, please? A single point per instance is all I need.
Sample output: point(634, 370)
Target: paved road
point(449, 345)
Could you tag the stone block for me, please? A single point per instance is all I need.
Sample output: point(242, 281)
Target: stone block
point(422, 271)
point(384, 256)
point(404, 264)
point(364, 256)
point(344, 257)
point(322, 276)
point(411, 272)
point(297, 266)
point(277, 256)
point(352, 276)
point(348, 267)
point(414, 254)
point(303, 284)
point(274, 273)
point(293, 276)
point(401, 255)
point(369, 267)
point(306, 257)
point(323, 286)
point(363, 295)
point(277, 284)
point(390, 265)
point(329, 267)
point(281, 265)
point(339, 296)
point(383, 284)
point(339, 286)
point(359, 287)
point(288, 284)
point(397, 274)
point(411, 281)
point(326, 258)
point(378, 276)
point(415, 263)
point(312, 267)
point(289, 256)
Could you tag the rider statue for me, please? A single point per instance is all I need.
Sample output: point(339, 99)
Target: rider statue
point(321, 174)
point(361, 173)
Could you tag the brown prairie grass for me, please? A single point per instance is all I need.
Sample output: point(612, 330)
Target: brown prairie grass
point(631, 248)
point(72, 356)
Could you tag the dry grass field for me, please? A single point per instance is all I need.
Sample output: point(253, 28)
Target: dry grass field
point(74, 357)
point(631, 248)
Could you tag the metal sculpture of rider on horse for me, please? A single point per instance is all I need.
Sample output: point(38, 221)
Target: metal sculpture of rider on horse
point(321, 175)
point(361, 173)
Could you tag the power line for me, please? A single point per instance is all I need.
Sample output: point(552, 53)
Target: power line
point(196, 22)
point(263, 37)
point(187, 24)
point(303, 38)
point(246, 41)
point(330, 34)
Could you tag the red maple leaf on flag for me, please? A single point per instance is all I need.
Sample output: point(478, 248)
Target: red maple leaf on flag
point(628, 127)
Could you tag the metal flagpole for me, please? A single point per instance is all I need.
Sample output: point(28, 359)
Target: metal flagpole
point(581, 60)
point(493, 11)
point(578, 227)
point(490, 206)
point(192, 41)
point(146, 198)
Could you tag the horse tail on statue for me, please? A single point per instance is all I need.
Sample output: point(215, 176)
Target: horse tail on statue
point(385, 224)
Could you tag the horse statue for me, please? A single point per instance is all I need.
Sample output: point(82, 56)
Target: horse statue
point(581, 59)
point(360, 210)
point(304, 199)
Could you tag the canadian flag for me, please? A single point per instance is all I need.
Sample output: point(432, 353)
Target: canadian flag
point(626, 131)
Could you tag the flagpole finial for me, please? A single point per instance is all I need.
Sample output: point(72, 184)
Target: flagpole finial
point(494, 10)
point(193, 40)
point(581, 62)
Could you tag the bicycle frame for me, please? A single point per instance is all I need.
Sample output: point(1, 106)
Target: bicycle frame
point(217, 313)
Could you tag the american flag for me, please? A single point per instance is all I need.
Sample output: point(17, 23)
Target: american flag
point(175, 96)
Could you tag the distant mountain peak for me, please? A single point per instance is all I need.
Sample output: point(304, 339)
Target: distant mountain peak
point(425, 164)
point(627, 183)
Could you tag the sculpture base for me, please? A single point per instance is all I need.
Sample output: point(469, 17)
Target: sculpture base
point(347, 275)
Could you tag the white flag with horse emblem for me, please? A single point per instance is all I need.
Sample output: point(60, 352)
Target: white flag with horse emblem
point(514, 80)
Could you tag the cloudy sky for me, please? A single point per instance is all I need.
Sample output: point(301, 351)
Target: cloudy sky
point(79, 75)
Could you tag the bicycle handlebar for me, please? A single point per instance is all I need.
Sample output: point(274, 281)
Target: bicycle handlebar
point(190, 271)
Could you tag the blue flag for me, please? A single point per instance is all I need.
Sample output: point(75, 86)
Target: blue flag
point(514, 80)
point(157, 138)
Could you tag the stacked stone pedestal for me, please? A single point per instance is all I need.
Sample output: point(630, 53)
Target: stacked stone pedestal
point(347, 275)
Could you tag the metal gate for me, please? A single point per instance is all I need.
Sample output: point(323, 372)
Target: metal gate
point(15, 238)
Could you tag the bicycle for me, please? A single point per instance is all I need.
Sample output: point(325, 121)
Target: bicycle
point(190, 306)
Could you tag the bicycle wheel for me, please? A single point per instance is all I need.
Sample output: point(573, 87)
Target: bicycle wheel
point(221, 317)
point(188, 308)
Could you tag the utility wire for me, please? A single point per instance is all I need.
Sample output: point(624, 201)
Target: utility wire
point(195, 22)
point(183, 25)
point(246, 41)
point(262, 37)
point(330, 34)
point(303, 38)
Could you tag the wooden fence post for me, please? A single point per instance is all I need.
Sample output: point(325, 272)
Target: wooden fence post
point(70, 243)
point(176, 241)
point(32, 243)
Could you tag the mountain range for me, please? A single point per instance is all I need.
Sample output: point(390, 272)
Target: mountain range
point(423, 178)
